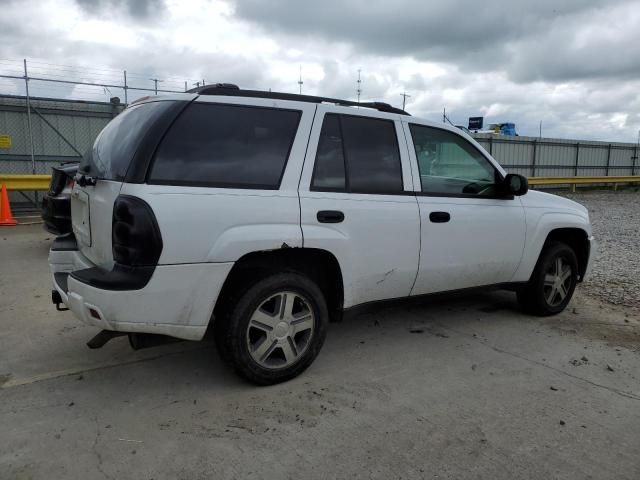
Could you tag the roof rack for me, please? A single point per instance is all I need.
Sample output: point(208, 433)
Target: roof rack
point(229, 89)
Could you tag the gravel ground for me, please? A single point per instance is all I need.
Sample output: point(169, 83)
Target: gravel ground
point(615, 275)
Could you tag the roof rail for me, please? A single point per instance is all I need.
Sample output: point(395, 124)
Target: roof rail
point(229, 89)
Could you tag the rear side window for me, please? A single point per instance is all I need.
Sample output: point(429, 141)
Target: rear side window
point(114, 148)
point(368, 150)
point(329, 168)
point(226, 146)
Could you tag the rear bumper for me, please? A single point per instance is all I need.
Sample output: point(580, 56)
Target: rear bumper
point(178, 300)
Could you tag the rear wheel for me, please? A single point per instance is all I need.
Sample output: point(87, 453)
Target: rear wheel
point(553, 281)
point(275, 329)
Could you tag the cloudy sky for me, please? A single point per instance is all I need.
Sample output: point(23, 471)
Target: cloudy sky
point(572, 64)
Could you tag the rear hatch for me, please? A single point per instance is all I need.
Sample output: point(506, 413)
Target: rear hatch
point(101, 175)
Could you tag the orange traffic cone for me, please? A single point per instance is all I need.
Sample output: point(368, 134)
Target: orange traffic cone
point(6, 217)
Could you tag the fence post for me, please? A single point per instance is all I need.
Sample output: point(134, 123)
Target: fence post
point(533, 159)
point(491, 145)
point(126, 99)
point(608, 159)
point(635, 157)
point(575, 169)
point(29, 125)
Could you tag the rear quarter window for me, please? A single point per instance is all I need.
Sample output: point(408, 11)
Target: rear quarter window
point(229, 146)
point(115, 146)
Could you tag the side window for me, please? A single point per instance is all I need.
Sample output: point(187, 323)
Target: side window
point(449, 164)
point(226, 146)
point(328, 173)
point(358, 155)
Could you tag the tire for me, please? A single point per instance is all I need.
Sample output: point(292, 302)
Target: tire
point(286, 311)
point(545, 294)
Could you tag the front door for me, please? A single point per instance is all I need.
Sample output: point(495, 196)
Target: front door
point(471, 234)
point(357, 202)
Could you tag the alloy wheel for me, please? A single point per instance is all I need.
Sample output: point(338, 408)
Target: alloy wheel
point(557, 282)
point(280, 330)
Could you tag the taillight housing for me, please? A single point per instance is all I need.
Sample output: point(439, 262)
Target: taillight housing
point(58, 182)
point(135, 235)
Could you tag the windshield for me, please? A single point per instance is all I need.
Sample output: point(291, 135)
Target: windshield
point(117, 143)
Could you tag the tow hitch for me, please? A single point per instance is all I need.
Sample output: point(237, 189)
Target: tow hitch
point(57, 300)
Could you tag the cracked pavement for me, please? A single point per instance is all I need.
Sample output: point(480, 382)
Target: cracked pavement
point(457, 387)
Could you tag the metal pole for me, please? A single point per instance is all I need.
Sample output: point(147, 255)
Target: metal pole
point(575, 170)
point(185, 86)
point(155, 82)
point(126, 98)
point(533, 159)
point(635, 156)
point(26, 85)
point(608, 158)
point(491, 145)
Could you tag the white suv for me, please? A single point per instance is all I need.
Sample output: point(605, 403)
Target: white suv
point(261, 216)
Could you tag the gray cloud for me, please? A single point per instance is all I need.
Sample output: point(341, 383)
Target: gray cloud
point(528, 40)
point(137, 9)
point(574, 66)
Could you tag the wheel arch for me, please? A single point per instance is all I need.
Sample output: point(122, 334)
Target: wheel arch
point(542, 227)
point(576, 238)
point(318, 264)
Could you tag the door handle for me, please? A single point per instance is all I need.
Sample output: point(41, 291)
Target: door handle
point(330, 216)
point(439, 217)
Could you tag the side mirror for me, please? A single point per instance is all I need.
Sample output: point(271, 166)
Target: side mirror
point(516, 184)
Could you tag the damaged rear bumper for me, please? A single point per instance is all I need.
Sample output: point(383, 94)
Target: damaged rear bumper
point(177, 300)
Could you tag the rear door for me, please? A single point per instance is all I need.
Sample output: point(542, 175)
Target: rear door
point(105, 167)
point(472, 235)
point(357, 202)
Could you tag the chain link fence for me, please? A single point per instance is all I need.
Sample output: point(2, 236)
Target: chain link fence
point(49, 133)
point(38, 131)
point(50, 113)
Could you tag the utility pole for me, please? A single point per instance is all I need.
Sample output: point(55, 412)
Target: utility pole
point(540, 132)
point(404, 96)
point(359, 86)
point(300, 82)
point(197, 84)
point(155, 82)
point(444, 115)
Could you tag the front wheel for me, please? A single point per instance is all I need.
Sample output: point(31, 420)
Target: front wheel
point(275, 330)
point(552, 283)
